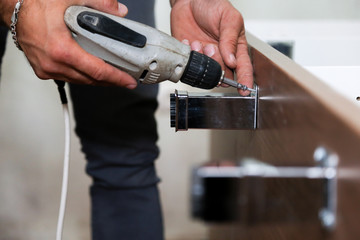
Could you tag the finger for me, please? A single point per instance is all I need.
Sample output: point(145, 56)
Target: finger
point(186, 42)
point(231, 28)
point(88, 65)
point(197, 46)
point(244, 69)
point(73, 76)
point(101, 72)
point(122, 9)
point(233, 48)
point(210, 50)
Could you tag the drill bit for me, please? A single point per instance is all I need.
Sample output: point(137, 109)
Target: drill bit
point(237, 85)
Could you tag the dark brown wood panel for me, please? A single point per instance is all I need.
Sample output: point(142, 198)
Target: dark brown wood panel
point(297, 113)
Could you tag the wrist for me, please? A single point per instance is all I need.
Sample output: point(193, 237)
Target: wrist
point(6, 11)
point(14, 20)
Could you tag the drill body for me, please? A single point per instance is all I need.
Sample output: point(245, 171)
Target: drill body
point(146, 53)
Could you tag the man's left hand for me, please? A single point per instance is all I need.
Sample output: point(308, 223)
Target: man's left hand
point(215, 28)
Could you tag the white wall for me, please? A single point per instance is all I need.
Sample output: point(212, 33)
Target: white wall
point(295, 9)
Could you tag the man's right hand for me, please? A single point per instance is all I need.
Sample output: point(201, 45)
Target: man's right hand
point(50, 48)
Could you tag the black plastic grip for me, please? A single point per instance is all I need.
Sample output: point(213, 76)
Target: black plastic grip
point(201, 71)
point(105, 26)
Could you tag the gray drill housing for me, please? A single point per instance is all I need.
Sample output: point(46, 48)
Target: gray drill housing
point(162, 58)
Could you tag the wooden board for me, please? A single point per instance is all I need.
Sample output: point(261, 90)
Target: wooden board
point(297, 113)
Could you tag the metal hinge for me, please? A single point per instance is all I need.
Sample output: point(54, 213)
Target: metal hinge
point(215, 189)
point(213, 110)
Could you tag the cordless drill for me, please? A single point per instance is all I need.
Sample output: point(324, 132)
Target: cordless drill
point(145, 53)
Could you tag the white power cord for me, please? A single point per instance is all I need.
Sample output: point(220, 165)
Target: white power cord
point(64, 187)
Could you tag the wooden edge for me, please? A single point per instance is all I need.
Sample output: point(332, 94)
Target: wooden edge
point(344, 109)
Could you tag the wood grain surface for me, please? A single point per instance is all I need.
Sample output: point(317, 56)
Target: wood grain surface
point(297, 113)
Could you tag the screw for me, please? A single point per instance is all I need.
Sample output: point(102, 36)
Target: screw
point(320, 154)
point(325, 158)
point(329, 161)
point(327, 218)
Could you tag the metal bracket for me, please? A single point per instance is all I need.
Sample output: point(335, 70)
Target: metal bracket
point(326, 169)
point(213, 110)
point(328, 161)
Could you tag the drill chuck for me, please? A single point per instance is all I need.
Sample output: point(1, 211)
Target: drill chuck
point(201, 71)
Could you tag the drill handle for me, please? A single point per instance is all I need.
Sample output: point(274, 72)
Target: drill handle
point(146, 53)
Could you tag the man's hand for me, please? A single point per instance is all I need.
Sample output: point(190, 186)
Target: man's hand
point(50, 49)
point(215, 28)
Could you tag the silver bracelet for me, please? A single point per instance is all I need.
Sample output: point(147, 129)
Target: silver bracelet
point(14, 19)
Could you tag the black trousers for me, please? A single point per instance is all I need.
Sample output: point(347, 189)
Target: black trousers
point(3, 34)
point(118, 134)
point(117, 130)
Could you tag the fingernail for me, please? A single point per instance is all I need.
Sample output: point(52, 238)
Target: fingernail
point(196, 46)
point(209, 50)
point(232, 58)
point(131, 86)
point(123, 10)
point(185, 41)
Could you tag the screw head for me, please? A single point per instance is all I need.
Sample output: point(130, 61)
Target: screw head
point(320, 154)
point(327, 218)
point(325, 158)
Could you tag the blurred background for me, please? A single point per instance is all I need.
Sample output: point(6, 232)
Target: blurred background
point(321, 35)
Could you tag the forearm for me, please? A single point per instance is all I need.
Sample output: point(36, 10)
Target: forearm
point(6, 10)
